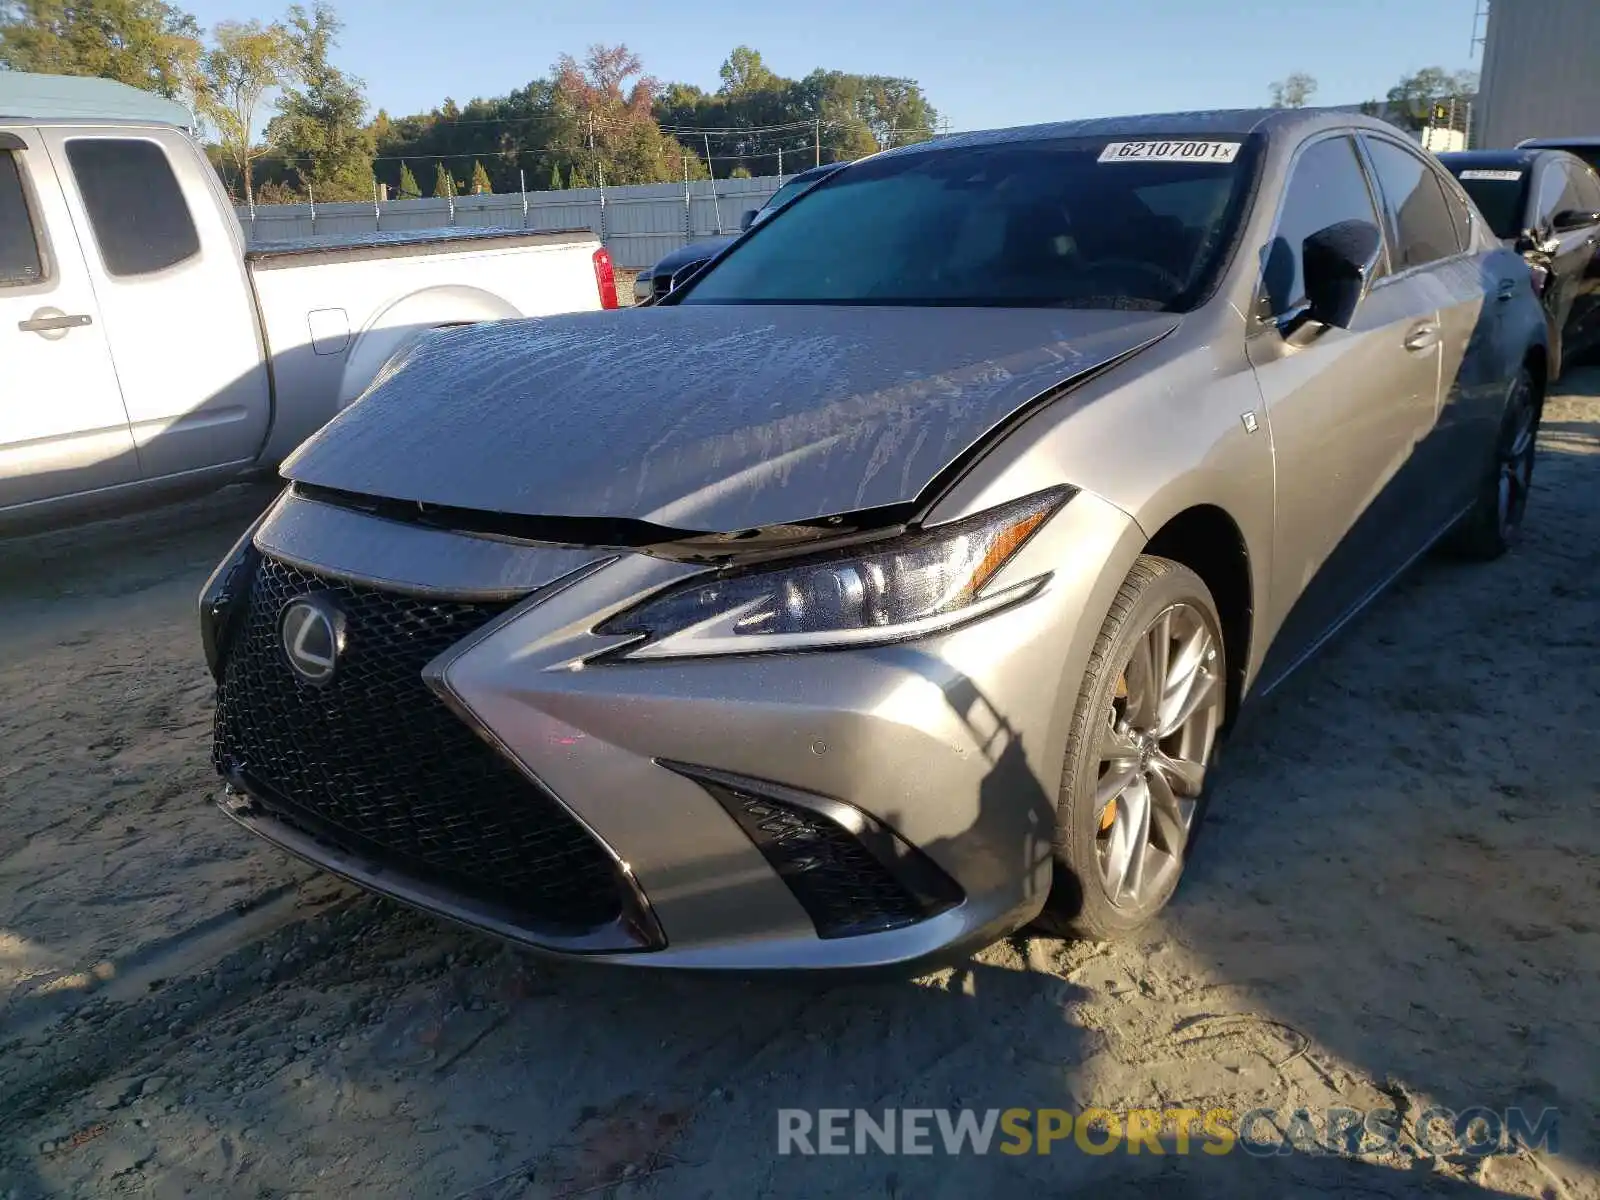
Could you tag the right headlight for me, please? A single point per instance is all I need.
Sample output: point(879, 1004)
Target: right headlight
point(907, 587)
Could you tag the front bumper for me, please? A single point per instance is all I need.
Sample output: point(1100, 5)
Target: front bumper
point(917, 780)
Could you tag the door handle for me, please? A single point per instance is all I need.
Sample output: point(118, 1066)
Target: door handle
point(48, 320)
point(1422, 337)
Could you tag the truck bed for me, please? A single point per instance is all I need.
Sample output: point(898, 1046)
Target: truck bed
point(402, 243)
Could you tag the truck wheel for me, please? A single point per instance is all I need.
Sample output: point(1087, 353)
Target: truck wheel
point(1142, 737)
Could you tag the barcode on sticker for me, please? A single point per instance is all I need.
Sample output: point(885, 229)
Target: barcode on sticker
point(1220, 152)
point(1505, 176)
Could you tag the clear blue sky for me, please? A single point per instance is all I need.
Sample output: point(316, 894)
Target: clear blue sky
point(984, 64)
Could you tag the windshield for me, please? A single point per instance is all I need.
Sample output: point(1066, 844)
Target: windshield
point(1501, 195)
point(1067, 223)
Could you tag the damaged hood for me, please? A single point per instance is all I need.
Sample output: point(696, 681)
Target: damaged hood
point(705, 418)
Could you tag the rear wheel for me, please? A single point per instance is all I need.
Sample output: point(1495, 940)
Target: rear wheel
point(1143, 736)
point(1494, 523)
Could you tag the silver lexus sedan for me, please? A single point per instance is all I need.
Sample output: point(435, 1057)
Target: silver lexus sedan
point(969, 499)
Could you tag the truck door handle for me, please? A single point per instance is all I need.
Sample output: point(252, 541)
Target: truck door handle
point(1422, 337)
point(48, 320)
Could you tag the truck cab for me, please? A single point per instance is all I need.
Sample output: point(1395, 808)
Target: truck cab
point(146, 351)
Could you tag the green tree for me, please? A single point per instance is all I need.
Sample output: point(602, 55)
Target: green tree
point(146, 43)
point(480, 180)
point(1411, 101)
point(744, 74)
point(740, 172)
point(1294, 90)
point(576, 178)
point(321, 122)
point(443, 183)
point(555, 178)
point(833, 115)
point(408, 184)
point(246, 58)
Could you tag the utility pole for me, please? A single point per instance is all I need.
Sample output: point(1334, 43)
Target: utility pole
point(715, 203)
point(600, 178)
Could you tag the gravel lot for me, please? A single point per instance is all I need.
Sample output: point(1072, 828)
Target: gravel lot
point(1394, 906)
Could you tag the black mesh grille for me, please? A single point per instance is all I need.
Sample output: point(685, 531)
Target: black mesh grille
point(375, 756)
point(843, 887)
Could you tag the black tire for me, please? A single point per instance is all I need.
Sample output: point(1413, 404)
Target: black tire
point(1494, 523)
point(1080, 903)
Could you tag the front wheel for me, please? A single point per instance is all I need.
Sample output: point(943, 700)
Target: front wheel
point(1142, 738)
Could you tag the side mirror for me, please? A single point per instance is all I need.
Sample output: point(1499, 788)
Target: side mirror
point(1569, 219)
point(1339, 262)
point(747, 220)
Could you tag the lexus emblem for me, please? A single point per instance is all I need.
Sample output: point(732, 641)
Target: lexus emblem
point(311, 631)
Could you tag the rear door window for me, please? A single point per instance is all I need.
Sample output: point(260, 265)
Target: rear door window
point(1326, 187)
point(140, 220)
point(1419, 219)
point(21, 263)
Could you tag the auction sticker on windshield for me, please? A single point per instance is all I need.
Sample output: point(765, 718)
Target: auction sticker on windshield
point(1506, 176)
point(1222, 152)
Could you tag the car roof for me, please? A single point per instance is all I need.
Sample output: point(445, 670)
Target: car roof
point(1558, 143)
point(1231, 122)
point(1492, 158)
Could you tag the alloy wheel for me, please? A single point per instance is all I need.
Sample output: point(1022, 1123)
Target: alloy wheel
point(1158, 737)
point(1517, 449)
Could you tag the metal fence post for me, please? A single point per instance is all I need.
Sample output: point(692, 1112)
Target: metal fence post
point(522, 186)
point(688, 212)
point(312, 196)
point(377, 213)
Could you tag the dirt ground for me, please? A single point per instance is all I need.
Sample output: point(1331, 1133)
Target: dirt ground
point(1394, 906)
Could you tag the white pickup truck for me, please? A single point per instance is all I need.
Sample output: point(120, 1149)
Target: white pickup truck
point(146, 352)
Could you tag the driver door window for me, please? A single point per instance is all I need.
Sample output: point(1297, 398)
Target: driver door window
point(1327, 187)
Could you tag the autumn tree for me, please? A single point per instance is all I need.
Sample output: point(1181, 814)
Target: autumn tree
point(146, 43)
point(246, 59)
point(321, 123)
point(480, 180)
point(408, 184)
point(604, 117)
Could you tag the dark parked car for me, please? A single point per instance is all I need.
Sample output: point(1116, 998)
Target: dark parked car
point(1586, 148)
point(1545, 204)
point(970, 498)
point(674, 268)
